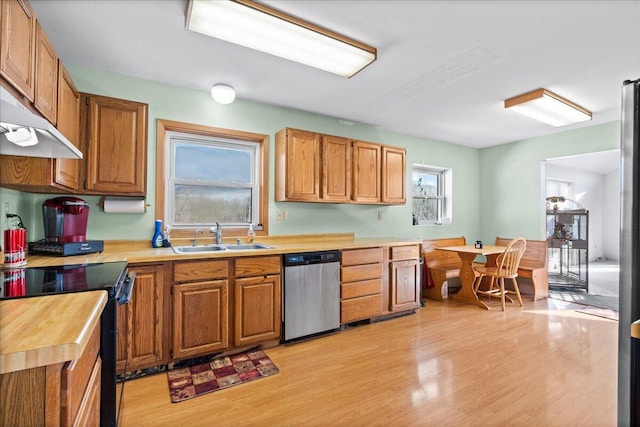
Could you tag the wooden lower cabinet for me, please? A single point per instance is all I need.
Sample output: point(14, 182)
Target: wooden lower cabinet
point(360, 284)
point(404, 286)
point(200, 308)
point(63, 394)
point(200, 318)
point(257, 309)
point(258, 299)
point(141, 324)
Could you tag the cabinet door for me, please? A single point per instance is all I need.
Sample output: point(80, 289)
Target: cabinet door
point(302, 165)
point(17, 45)
point(200, 318)
point(336, 169)
point(144, 321)
point(366, 172)
point(393, 175)
point(257, 309)
point(46, 80)
point(67, 171)
point(405, 290)
point(116, 146)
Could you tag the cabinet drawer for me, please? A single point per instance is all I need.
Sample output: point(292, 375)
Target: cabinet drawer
point(361, 256)
point(258, 266)
point(405, 252)
point(200, 270)
point(359, 289)
point(356, 273)
point(75, 377)
point(360, 308)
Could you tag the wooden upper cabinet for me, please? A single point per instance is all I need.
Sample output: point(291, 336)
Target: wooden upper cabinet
point(336, 169)
point(297, 165)
point(115, 138)
point(314, 167)
point(67, 171)
point(18, 45)
point(46, 80)
point(393, 175)
point(366, 172)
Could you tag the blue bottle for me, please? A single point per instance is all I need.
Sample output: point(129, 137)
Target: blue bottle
point(156, 242)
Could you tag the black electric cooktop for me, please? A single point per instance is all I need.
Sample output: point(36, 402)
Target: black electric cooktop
point(39, 281)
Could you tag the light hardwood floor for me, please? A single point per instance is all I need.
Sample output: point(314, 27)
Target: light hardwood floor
point(448, 364)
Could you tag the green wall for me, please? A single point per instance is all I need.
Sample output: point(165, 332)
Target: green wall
point(173, 103)
point(512, 178)
point(497, 190)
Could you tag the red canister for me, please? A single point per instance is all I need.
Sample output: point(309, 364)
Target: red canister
point(15, 247)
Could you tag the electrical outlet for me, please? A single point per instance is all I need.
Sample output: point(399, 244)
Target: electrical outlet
point(282, 215)
point(5, 209)
point(379, 215)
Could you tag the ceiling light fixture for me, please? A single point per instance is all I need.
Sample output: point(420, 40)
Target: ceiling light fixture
point(259, 27)
point(223, 93)
point(548, 107)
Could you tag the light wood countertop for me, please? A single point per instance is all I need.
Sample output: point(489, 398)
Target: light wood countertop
point(141, 251)
point(47, 330)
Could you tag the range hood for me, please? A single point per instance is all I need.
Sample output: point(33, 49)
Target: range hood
point(24, 133)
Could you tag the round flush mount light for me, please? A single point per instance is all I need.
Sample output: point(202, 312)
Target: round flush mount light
point(223, 93)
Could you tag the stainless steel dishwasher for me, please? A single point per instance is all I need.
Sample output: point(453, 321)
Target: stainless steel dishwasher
point(311, 295)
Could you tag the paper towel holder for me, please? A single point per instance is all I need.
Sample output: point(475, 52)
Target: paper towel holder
point(132, 204)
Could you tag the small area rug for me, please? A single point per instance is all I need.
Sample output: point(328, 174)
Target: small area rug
point(221, 372)
point(600, 312)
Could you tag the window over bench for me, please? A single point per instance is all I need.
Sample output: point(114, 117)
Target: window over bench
point(432, 201)
point(207, 175)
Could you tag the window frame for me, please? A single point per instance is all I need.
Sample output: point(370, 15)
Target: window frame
point(444, 195)
point(262, 159)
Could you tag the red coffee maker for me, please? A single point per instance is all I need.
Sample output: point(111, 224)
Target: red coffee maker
point(65, 229)
point(65, 219)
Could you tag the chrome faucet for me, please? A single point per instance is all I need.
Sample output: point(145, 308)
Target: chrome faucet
point(217, 230)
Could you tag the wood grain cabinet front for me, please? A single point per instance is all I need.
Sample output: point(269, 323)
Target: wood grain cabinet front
point(314, 167)
point(360, 284)
point(258, 300)
point(404, 286)
point(142, 324)
point(200, 308)
point(18, 46)
point(114, 135)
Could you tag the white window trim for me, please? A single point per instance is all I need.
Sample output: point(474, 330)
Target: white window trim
point(446, 208)
point(172, 138)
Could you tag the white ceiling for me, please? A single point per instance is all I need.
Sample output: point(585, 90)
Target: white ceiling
point(601, 163)
point(443, 71)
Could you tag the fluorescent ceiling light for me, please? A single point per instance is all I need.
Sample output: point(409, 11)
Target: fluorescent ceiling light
point(548, 107)
point(259, 27)
point(222, 93)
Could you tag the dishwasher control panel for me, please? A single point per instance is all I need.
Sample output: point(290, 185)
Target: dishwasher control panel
point(311, 258)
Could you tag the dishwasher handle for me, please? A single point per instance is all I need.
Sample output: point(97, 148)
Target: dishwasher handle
point(307, 258)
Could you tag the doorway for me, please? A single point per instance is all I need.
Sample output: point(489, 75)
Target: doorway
point(589, 184)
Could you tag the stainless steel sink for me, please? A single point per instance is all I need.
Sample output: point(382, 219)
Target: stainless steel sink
point(197, 249)
point(216, 248)
point(248, 246)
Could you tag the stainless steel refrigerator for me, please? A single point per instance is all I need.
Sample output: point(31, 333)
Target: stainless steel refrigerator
point(629, 346)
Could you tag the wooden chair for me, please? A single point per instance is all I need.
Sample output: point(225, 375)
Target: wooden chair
point(506, 268)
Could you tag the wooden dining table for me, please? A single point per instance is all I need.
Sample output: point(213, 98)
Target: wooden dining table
point(468, 254)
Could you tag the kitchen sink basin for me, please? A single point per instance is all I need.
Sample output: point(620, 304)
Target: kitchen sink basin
point(217, 248)
point(197, 249)
point(248, 246)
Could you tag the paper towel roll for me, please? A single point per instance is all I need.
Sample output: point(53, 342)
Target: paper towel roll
point(124, 206)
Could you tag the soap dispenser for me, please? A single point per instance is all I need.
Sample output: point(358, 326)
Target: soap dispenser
point(251, 234)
